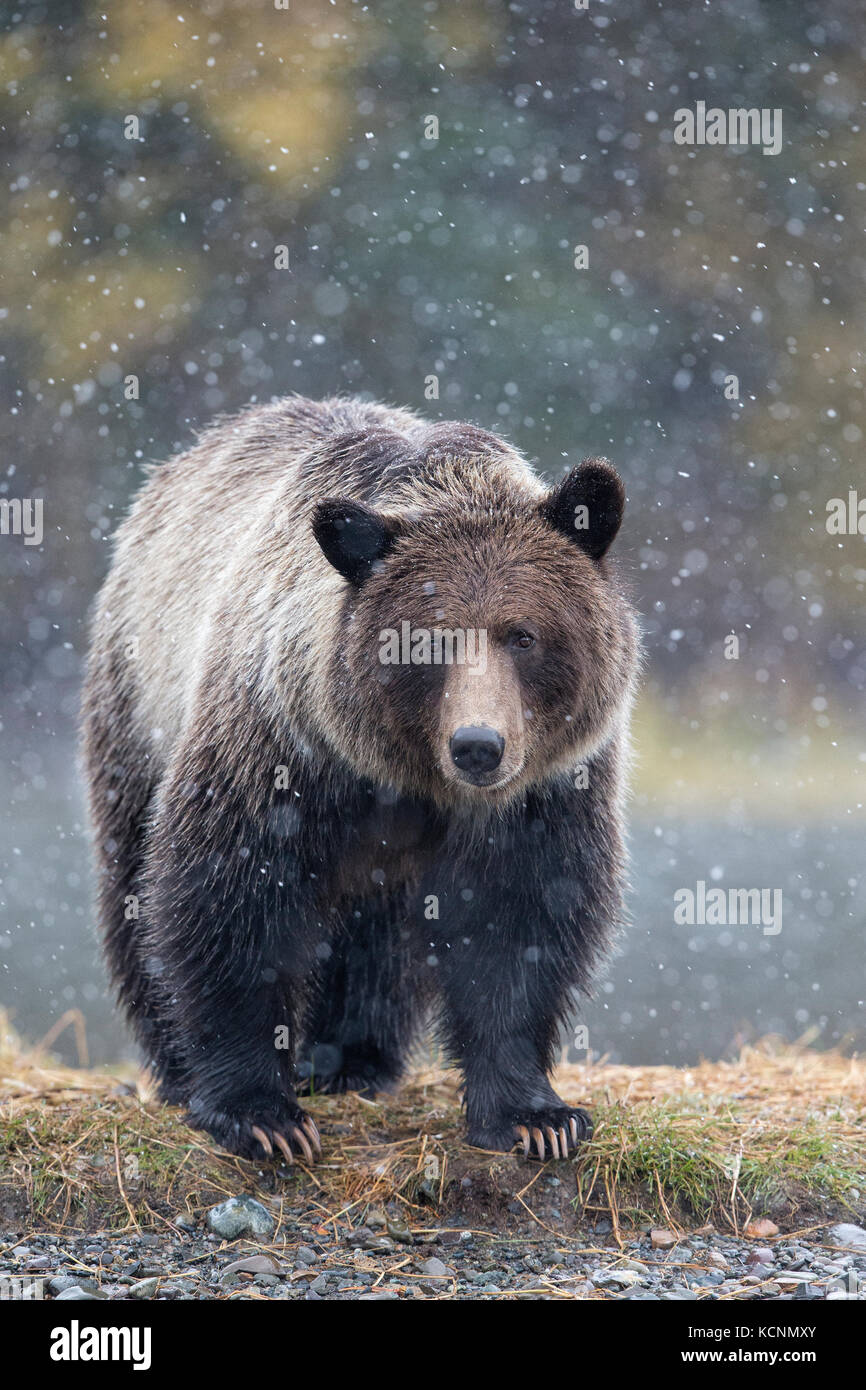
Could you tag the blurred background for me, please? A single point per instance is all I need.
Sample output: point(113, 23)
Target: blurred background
point(154, 257)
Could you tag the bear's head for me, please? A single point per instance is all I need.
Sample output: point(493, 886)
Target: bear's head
point(485, 643)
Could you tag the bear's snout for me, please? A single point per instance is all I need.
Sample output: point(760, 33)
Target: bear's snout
point(476, 750)
point(482, 741)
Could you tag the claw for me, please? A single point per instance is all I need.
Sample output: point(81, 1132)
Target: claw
point(539, 1142)
point(308, 1125)
point(263, 1140)
point(522, 1133)
point(554, 1143)
point(572, 1124)
point(284, 1146)
point(563, 1140)
point(586, 1126)
point(300, 1137)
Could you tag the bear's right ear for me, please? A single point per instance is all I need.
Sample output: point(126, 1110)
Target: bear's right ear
point(353, 537)
point(587, 506)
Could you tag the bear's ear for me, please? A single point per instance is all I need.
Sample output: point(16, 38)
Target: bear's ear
point(587, 506)
point(352, 536)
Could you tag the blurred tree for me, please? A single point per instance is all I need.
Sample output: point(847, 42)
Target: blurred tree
point(156, 257)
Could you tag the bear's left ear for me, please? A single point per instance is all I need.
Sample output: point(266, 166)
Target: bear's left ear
point(353, 537)
point(587, 506)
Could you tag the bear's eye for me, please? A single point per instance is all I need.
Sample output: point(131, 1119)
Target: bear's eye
point(522, 639)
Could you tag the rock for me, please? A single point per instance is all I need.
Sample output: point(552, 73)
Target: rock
point(623, 1278)
point(759, 1230)
point(145, 1288)
point(808, 1291)
point(365, 1238)
point(436, 1268)
point(240, 1216)
point(662, 1239)
point(253, 1264)
point(761, 1255)
point(398, 1230)
point(305, 1256)
point(60, 1282)
point(851, 1237)
point(382, 1244)
point(715, 1257)
point(76, 1295)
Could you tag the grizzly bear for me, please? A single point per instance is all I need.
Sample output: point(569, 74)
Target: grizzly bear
point(355, 727)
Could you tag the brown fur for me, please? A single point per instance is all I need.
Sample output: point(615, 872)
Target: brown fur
point(226, 645)
point(240, 537)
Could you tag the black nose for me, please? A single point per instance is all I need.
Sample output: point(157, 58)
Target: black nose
point(476, 749)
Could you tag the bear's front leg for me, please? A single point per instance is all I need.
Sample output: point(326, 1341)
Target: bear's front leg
point(219, 939)
point(523, 915)
point(509, 1099)
point(506, 991)
point(241, 1092)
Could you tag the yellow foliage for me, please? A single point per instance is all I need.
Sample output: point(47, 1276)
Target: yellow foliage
point(97, 310)
point(285, 136)
point(31, 239)
point(19, 54)
point(272, 82)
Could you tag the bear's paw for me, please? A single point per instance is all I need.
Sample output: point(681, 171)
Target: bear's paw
point(273, 1129)
point(554, 1132)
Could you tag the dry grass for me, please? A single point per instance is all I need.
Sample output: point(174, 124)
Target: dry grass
point(781, 1131)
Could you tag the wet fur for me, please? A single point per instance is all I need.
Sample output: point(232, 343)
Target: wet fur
point(226, 646)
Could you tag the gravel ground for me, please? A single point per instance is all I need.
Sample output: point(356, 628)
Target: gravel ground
point(385, 1260)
